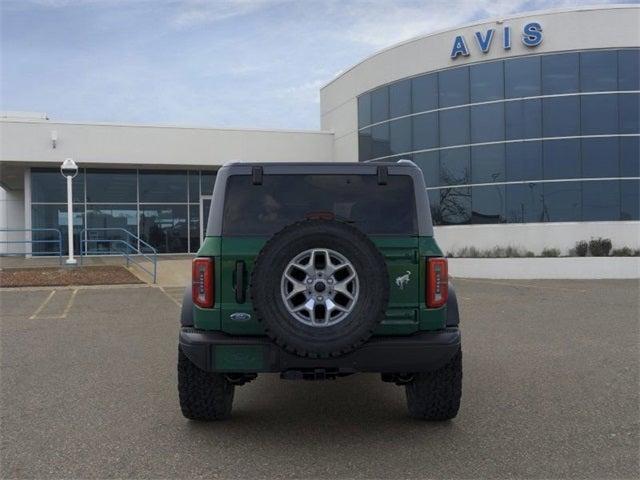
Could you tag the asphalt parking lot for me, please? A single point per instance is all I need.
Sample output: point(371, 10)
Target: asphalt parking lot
point(551, 380)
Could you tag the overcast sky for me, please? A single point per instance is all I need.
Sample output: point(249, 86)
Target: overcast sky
point(227, 63)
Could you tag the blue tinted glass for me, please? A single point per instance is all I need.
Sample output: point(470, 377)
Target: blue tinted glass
point(425, 131)
point(113, 217)
point(364, 110)
point(599, 114)
point(560, 73)
point(599, 71)
point(163, 186)
point(522, 77)
point(48, 185)
point(455, 206)
point(523, 161)
point(630, 156)
point(630, 200)
point(629, 70)
point(629, 113)
point(487, 164)
point(487, 81)
point(561, 202)
point(454, 127)
point(112, 186)
point(53, 216)
point(194, 227)
point(561, 116)
point(400, 135)
point(434, 205)
point(380, 105)
point(424, 90)
point(207, 181)
point(524, 203)
point(400, 98)
point(600, 201)
point(454, 87)
point(523, 119)
point(454, 166)
point(487, 123)
point(561, 159)
point(380, 141)
point(194, 186)
point(600, 157)
point(429, 163)
point(365, 145)
point(165, 227)
point(488, 204)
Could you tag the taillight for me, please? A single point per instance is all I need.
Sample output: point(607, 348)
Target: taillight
point(202, 284)
point(437, 282)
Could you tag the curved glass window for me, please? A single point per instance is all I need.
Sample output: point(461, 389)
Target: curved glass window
point(560, 73)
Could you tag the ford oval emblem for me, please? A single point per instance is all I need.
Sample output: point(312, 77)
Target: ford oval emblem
point(240, 317)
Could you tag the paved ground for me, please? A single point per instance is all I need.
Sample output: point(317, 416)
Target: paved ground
point(550, 390)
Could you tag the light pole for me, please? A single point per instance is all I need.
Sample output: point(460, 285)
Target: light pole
point(69, 169)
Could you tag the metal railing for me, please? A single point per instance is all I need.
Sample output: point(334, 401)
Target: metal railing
point(131, 248)
point(31, 241)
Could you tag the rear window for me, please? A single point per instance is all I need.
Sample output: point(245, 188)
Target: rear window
point(285, 199)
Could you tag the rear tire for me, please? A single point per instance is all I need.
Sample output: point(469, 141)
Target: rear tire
point(436, 395)
point(203, 395)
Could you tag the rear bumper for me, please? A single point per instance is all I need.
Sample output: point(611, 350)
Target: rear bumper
point(219, 352)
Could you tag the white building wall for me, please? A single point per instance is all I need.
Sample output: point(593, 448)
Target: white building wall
point(12, 216)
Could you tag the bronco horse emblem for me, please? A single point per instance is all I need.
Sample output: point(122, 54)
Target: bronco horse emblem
point(402, 280)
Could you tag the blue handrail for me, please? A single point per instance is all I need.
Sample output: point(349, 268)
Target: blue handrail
point(129, 252)
point(32, 241)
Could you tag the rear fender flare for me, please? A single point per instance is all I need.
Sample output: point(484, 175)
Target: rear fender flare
point(186, 312)
point(453, 314)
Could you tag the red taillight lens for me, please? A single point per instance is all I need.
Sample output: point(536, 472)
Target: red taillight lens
point(437, 282)
point(202, 284)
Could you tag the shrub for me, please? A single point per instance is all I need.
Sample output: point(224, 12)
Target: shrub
point(600, 247)
point(529, 253)
point(550, 252)
point(581, 248)
point(623, 252)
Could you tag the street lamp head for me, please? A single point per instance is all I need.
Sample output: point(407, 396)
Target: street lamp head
point(69, 168)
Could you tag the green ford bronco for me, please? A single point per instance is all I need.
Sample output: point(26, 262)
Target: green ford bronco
point(317, 271)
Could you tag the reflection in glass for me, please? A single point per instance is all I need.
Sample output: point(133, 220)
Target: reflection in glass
point(207, 181)
point(454, 127)
point(488, 204)
point(429, 163)
point(365, 145)
point(630, 156)
point(194, 186)
point(629, 113)
point(599, 114)
point(453, 87)
point(560, 73)
point(523, 119)
point(424, 93)
point(629, 69)
point(55, 216)
point(524, 203)
point(165, 227)
point(487, 164)
point(454, 206)
point(599, 71)
point(600, 157)
point(522, 77)
point(600, 201)
point(400, 135)
point(561, 202)
point(434, 206)
point(107, 185)
point(380, 105)
point(425, 131)
point(113, 217)
point(380, 140)
point(561, 159)
point(194, 226)
point(487, 123)
point(454, 166)
point(364, 110)
point(487, 81)
point(163, 186)
point(49, 186)
point(400, 99)
point(523, 161)
point(561, 116)
point(630, 200)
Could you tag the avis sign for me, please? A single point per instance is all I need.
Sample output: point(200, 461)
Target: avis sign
point(531, 37)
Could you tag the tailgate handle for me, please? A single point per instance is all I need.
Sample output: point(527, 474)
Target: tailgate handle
point(240, 287)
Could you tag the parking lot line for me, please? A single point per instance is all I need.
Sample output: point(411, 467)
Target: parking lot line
point(42, 305)
point(170, 297)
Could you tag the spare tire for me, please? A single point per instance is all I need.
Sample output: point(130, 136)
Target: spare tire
point(320, 288)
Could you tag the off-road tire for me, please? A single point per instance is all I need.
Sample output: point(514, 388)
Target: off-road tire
point(436, 395)
point(203, 395)
point(334, 340)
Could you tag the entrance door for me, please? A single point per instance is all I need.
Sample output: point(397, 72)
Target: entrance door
point(205, 205)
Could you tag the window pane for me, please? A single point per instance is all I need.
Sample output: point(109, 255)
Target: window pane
point(455, 206)
point(380, 141)
point(561, 116)
point(380, 105)
point(630, 200)
point(561, 202)
point(487, 123)
point(454, 166)
point(523, 119)
point(600, 157)
point(364, 110)
point(523, 161)
point(600, 201)
point(194, 186)
point(54, 216)
point(434, 205)
point(487, 164)
point(454, 87)
point(629, 113)
point(194, 226)
point(424, 92)
point(207, 180)
point(48, 185)
point(561, 159)
point(487, 81)
point(629, 70)
point(365, 145)
point(560, 73)
point(599, 114)
point(400, 98)
point(165, 227)
point(400, 135)
point(488, 204)
point(522, 77)
point(114, 218)
point(163, 186)
point(630, 157)
point(429, 163)
point(524, 203)
point(454, 127)
point(599, 71)
point(425, 131)
point(105, 185)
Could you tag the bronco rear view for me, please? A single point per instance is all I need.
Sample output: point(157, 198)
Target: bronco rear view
point(317, 271)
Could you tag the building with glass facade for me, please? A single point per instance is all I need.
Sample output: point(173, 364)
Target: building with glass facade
point(526, 129)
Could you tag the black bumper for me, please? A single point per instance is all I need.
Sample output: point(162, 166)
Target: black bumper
point(215, 351)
